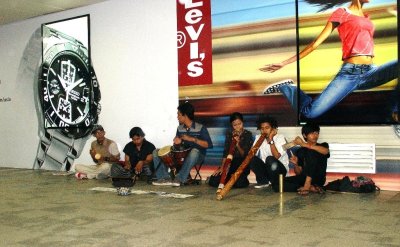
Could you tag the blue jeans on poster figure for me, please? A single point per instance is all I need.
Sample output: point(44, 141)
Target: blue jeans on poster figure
point(349, 78)
point(194, 157)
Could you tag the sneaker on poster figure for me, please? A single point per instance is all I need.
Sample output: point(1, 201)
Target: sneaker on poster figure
point(275, 87)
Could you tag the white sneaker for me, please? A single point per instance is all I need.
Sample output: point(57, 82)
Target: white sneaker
point(80, 175)
point(261, 186)
point(275, 87)
point(162, 182)
point(176, 183)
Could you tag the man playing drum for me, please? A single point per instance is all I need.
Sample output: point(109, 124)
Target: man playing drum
point(190, 135)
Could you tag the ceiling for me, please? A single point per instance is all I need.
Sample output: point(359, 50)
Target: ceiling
point(18, 10)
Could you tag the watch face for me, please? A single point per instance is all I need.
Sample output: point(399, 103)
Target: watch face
point(67, 91)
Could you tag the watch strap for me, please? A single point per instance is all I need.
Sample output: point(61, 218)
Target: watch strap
point(56, 151)
point(54, 37)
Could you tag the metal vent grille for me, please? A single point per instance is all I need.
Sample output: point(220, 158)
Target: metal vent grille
point(352, 158)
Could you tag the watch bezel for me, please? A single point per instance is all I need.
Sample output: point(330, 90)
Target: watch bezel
point(84, 127)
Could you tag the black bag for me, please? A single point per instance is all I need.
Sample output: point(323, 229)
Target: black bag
point(124, 182)
point(360, 185)
point(364, 185)
point(333, 185)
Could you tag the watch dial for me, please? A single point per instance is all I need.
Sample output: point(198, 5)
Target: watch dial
point(66, 92)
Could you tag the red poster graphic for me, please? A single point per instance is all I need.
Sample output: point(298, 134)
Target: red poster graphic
point(194, 42)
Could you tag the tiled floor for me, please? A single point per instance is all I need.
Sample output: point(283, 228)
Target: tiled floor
point(40, 209)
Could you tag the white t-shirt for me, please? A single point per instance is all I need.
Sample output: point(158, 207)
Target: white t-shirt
point(113, 149)
point(265, 150)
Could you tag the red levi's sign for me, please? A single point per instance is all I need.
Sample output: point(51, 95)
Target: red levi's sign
point(194, 42)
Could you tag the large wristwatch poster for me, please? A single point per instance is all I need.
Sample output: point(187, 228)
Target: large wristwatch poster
point(68, 91)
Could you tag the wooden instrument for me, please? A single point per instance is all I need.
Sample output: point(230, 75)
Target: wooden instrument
point(235, 176)
point(227, 163)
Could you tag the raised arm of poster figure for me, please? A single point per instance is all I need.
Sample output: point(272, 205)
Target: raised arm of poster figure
point(329, 27)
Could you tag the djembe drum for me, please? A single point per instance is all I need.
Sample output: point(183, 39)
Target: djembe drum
point(166, 156)
point(180, 152)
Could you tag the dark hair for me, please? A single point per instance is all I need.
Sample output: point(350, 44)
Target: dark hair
point(267, 119)
point(309, 128)
point(234, 116)
point(187, 109)
point(136, 131)
point(326, 4)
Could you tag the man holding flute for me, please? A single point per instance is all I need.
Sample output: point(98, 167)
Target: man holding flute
point(238, 142)
point(270, 156)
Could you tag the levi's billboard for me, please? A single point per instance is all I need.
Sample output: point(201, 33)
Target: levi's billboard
point(194, 42)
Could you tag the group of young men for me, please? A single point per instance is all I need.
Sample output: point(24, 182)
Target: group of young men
point(309, 160)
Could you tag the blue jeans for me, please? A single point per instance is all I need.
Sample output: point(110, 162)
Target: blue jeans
point(349, 78)
point(194, 157)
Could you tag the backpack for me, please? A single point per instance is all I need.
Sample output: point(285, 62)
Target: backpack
point(359, 185)
point(364, 185)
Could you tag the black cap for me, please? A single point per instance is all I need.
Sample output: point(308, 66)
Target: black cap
point(96, 128)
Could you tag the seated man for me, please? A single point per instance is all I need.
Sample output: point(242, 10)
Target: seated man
point(271, 154)
point(310, 162)
point(138, 160)
point(237, 145)
point(189, 134)
point(103, 152)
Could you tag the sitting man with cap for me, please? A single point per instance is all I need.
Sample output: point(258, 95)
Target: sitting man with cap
point(104, 152)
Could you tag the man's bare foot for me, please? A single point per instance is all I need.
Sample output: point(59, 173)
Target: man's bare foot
point(303, 192)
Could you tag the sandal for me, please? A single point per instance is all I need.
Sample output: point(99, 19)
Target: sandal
point(316, 189)
point(319, 190)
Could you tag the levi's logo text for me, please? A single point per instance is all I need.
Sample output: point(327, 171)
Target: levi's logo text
point(194, 42)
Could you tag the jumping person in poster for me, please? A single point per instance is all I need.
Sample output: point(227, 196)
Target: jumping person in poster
point(357, 71)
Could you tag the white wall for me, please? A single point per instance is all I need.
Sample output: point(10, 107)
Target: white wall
point(134, 54)
point(386, 141)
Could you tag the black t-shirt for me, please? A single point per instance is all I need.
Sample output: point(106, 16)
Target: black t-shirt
point(314, 164)
point(135, 155)
point(246, 142)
